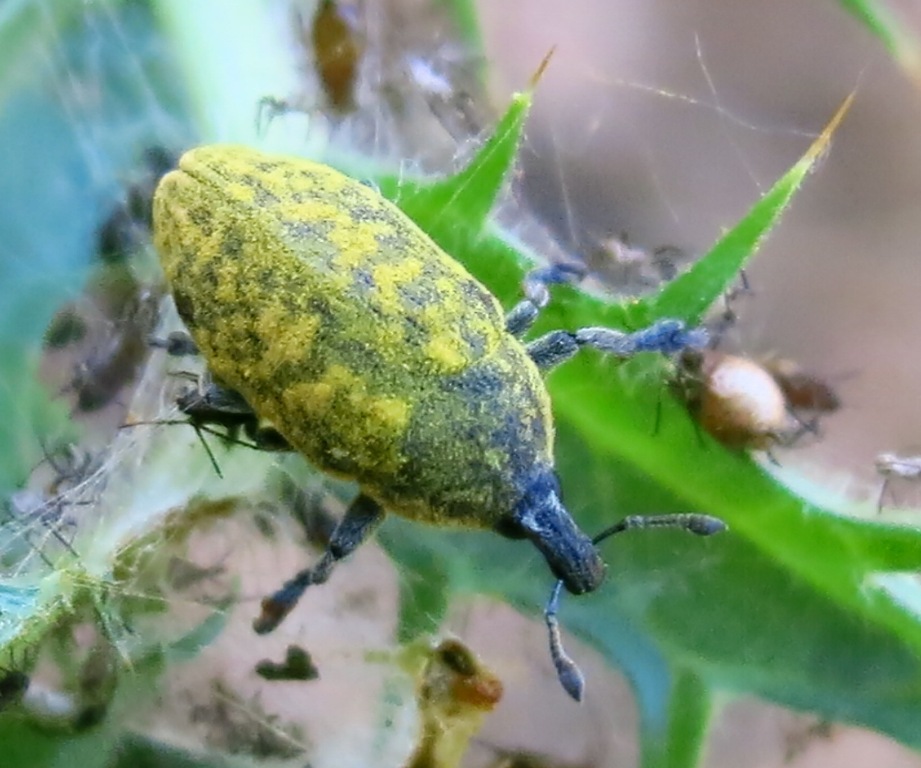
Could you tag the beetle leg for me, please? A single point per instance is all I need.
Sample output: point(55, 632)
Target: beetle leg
point(536, 295)
point(882, 494)
point(550, 350)
point(667, 336)
point(360, 521)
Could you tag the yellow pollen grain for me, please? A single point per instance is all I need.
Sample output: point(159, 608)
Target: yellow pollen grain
point(389, 277)
point(446, 353)
point(310, 210)
point(292, 337)
point(357, 244)
point(317, 397)
point(339, 377)
point(391, 413)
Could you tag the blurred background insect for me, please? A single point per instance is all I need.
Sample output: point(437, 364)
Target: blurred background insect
point(13, 685)
point(455, 693)
point(297, 665)
point(36, 514)
point(894, 466)
point(627, 268)
point(337, 49)
point(803, 390)
point(127, 227)
point(109, 325)
point(744, 402)
point(114, 360)
point(333, 43)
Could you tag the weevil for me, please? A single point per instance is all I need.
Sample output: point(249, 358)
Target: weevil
point(377, 356)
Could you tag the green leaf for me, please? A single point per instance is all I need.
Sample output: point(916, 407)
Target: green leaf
point(424, 595)
point(466, 20)
point(27, 745)
point(692, 293)
point(749, 611)
point(680, 743)
point(470, 195)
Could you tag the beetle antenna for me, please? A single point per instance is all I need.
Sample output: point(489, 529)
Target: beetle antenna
point(700, 525)
point(567, 671)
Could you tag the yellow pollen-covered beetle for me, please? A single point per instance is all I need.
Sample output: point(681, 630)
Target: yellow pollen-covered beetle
point(357, 341)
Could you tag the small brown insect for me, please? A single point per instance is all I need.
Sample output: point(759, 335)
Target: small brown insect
point(734, 399)
point(115, 359)
point(337, 47)
point(66, 327)
point(223, 408)
point(455, 694)
point(215, 410)
point(128, 226)
point(804, 391)
point(337, 50)
point(297, 666)
point(746, 403)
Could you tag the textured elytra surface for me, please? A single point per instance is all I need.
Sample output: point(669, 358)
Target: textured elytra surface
point(372, 351)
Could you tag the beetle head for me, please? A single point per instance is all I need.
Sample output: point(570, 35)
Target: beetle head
point(541, 517)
